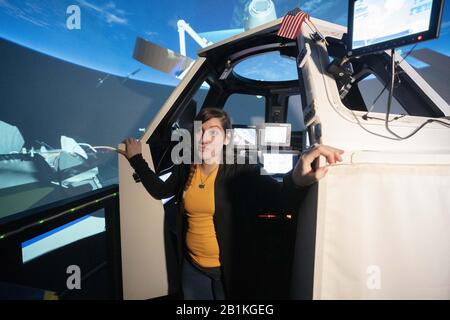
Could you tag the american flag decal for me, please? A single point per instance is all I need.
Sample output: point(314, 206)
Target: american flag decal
point(292, 23)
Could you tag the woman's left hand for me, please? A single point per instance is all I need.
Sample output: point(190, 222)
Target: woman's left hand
point(304, 174)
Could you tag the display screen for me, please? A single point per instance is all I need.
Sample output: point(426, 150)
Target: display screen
point(377, 25)
point(377, 21)
point(276, 134)
point(278, 163)
point(244, 137)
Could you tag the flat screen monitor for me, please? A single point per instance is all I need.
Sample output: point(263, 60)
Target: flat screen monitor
point(376, 25)
point(245, 137)
point(278, 163)
point(275, 134)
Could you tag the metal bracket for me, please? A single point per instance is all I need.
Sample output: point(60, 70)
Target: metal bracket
point(227, 71)
point(309, 113)
point(304, 54)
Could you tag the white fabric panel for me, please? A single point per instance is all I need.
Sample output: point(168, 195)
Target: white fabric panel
point(383, 232)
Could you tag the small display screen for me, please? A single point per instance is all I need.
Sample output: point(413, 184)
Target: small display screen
point(273, 134)
point(244, 137)
point(278, 163)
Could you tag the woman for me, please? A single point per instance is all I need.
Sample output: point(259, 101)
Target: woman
point(211, 193)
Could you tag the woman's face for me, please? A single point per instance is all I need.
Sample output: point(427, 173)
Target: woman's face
point(210, 141)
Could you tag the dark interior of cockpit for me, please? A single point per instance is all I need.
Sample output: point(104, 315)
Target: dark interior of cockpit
point(266, 240)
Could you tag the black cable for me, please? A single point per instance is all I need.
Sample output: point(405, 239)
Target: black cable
point(391, 92)
point(391, 83)
point(366, 116)
point(409, 52)
point(162, 158)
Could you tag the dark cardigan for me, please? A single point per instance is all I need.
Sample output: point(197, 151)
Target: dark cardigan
point(238, 189)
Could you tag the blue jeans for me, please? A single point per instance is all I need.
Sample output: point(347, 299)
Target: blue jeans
point(201, 283)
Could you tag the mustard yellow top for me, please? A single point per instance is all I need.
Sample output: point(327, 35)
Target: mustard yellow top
point(201, 238)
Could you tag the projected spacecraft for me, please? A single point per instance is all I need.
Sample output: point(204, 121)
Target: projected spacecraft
point(72, 165)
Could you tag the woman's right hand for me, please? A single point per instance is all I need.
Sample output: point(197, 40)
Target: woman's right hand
point(132, 148)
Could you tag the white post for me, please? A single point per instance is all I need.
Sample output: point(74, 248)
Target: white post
point(181, 37)
point(184, 27)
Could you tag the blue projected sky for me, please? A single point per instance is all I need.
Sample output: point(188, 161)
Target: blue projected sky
point(108, 28)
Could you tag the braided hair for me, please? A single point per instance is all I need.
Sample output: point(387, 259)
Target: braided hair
point(190, 176)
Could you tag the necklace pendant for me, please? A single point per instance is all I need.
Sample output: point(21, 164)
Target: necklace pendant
point(201, 185)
